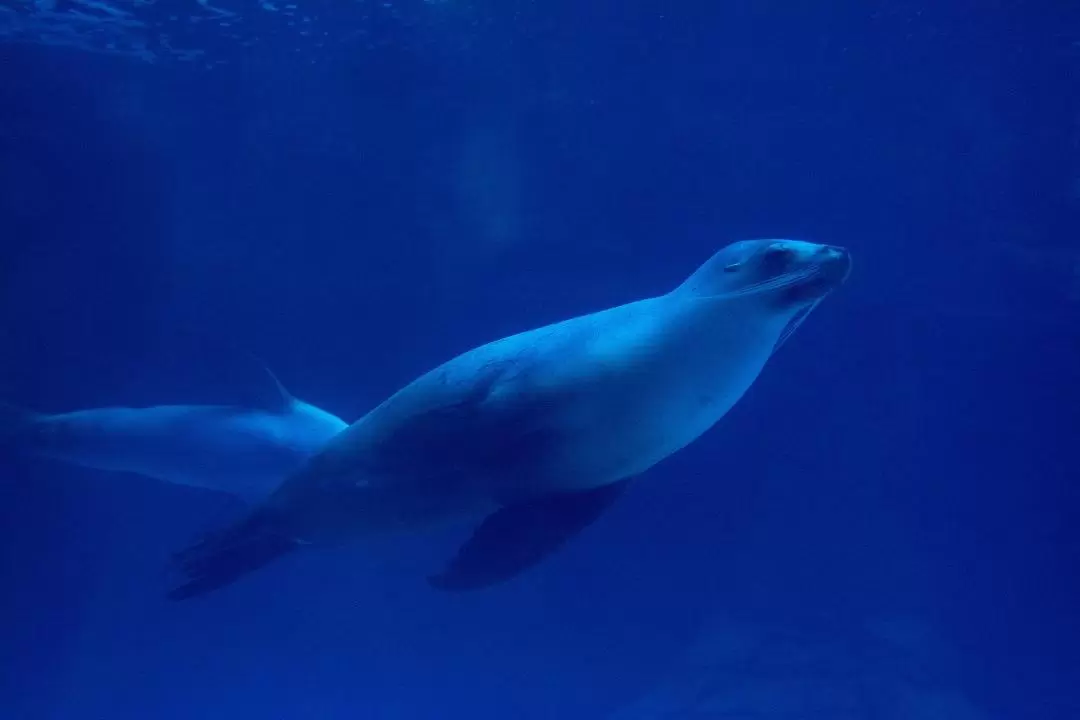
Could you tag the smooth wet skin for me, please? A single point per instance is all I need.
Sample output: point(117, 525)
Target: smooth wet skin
point(539, 431)
point(242, 451)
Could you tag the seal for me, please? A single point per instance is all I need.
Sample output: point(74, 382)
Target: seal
point(240, 450)
point(539, 432)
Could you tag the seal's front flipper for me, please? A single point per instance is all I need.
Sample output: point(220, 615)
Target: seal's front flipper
point(222, 558)
point(519, 536)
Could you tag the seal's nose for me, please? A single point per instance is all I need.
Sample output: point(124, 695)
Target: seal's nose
point(837, 260)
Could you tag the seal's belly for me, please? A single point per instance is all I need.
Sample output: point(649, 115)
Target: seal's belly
point(631, 430)
point(645, 393)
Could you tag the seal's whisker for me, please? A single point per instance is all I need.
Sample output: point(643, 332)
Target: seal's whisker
point(795, 322)
point(776, 283)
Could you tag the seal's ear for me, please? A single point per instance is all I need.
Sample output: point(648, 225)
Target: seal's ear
point(722, 272)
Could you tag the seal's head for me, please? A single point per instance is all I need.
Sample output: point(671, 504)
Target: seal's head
point(782, 280)
point(784, 274)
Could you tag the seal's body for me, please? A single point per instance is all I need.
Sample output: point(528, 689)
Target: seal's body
point(541, 429)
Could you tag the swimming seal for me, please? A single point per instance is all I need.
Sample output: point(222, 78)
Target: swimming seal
point(241, 450)
point(539, 431)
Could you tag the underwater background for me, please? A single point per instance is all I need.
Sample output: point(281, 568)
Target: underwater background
point(886, 526)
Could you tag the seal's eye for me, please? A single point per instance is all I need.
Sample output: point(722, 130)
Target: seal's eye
point(777, 259)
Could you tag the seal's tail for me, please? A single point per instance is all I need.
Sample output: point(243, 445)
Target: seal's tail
point(221, 558)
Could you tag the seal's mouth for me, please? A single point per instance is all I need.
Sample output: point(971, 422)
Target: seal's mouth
point(837, 262)
point(824, 272)
point(831, 268)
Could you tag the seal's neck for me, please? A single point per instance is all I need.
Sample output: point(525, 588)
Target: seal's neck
point(736, 318)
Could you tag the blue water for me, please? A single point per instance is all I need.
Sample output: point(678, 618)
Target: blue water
point(356, 192)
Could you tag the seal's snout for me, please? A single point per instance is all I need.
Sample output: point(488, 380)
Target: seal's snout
point(817, 270)
point(836, 262)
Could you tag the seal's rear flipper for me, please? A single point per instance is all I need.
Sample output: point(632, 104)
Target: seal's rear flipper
point(222, 558)
point(516, 537)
